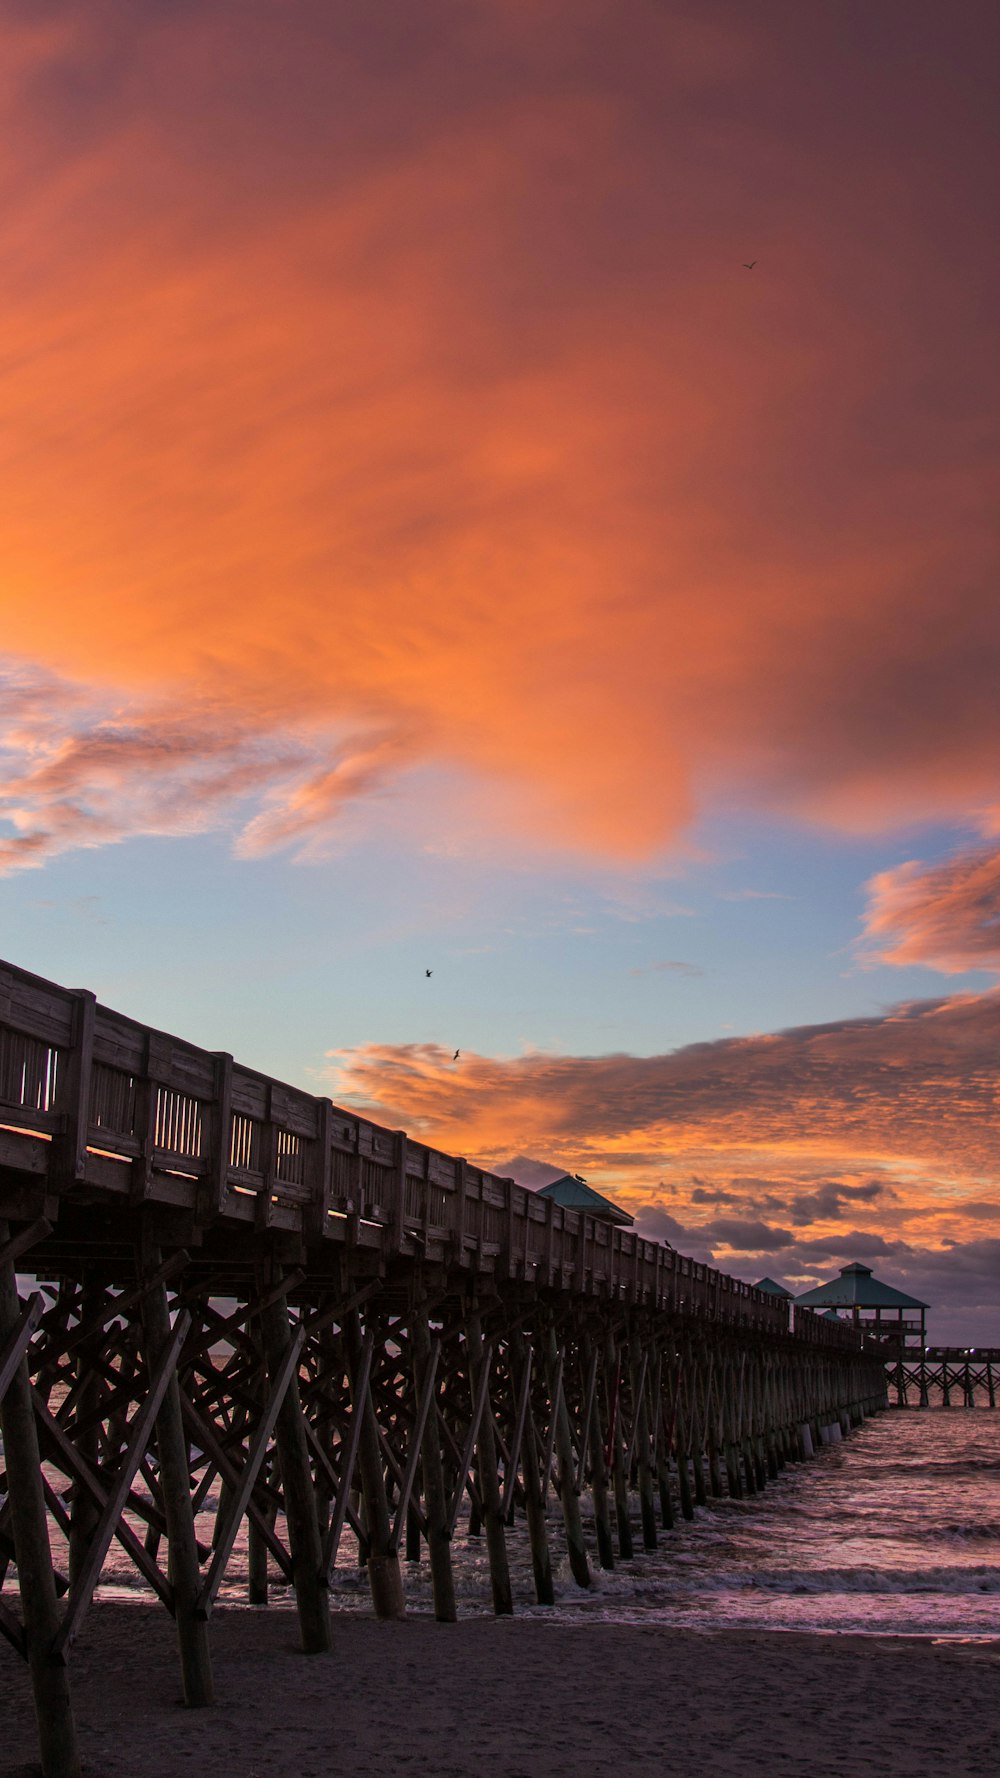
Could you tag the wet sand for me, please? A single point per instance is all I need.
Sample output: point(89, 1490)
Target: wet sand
point(516, 1699)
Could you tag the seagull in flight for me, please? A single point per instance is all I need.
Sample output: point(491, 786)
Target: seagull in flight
point(428, 972)
point(749, 265)
point(456, 1055)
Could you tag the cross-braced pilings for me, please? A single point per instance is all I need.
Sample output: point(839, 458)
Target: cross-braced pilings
point(255, 1314)
point(943, 1376)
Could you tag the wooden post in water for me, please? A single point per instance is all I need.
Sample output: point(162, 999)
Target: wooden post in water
point(175, 1482)
point(384, 1577)
point(599, 1471)
point(569, 1500)
point(32, 1552)
point(613, 1368)
point(489, 1480)
point(538, 1528)
point(311, 1594)
point(257, 1580)
point(86, 1513)
point(638, 1365)
point(435, 1496)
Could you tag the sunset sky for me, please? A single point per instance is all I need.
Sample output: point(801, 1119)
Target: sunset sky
point(424, 544)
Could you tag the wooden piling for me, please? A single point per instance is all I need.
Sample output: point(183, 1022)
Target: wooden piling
point(638, 1366)
point(616, 1444)
point(489, 1479)
point(32, 1552)
point(538, 1530)
point(85, 1513)
point(308, 1576)
point(435, 1496)
point(175, 1483)
point(599, 1471)
point(569, 1499)
point(381, 1559)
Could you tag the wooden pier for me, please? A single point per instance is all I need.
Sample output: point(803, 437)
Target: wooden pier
point(944, 1376)
point(247, 1295)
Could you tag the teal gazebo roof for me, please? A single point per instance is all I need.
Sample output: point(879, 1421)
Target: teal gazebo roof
point(771, 1288)
point(856, 1288)
point(573, 1193)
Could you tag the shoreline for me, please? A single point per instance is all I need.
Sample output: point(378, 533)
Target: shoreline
point(515, 1698)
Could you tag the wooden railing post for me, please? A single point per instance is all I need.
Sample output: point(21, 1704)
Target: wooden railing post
point(72, 1098)
point(212, 1188)
point(397, 1207)
point(316, 1218)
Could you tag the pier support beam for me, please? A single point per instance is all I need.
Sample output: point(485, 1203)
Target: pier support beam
point(32, 1552)
point(599, 1471)
point(384, 1575)
point(175, 1481)
point(435, 1496)
point(489, 1480)
point(311, 1595)
point(613, 1364)
point(538, 1527)
point(569, 1499)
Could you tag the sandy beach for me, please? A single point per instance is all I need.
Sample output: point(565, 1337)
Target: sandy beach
point(517, 1699)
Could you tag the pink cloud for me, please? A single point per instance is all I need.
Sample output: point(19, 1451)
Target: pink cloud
point(74, 773)
point(946, 916)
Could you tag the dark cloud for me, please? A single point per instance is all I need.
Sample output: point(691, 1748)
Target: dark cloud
point(748, 1237)
point(828, 1201)
point(855, 1244)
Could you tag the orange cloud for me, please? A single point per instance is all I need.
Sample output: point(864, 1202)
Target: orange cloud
point(397, 375)
point(910, 1093)
point(873, 1139)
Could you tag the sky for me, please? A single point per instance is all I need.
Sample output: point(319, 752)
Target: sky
point(510, 489)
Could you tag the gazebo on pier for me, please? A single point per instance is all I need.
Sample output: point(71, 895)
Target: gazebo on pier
point(573, 1193)
point(876, 1308)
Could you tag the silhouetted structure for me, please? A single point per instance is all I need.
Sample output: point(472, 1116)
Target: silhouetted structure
point(881, 1311)
point(252, 1298)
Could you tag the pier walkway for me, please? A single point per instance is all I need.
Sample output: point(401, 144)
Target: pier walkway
point(255, 1310)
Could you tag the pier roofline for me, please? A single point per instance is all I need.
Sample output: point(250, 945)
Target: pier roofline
point(250, 1300)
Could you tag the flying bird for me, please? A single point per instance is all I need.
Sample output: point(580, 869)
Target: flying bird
point(748, 266)
point(456, 1055)
point(428, 972)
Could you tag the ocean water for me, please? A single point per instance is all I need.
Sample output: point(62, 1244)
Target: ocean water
point(895, 1531)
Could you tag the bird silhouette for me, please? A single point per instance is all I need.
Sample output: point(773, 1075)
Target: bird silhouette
point(456, 1055)
point(749, 265)
point(428, 972)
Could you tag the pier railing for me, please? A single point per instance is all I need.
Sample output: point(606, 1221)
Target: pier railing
point(91, 1097)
